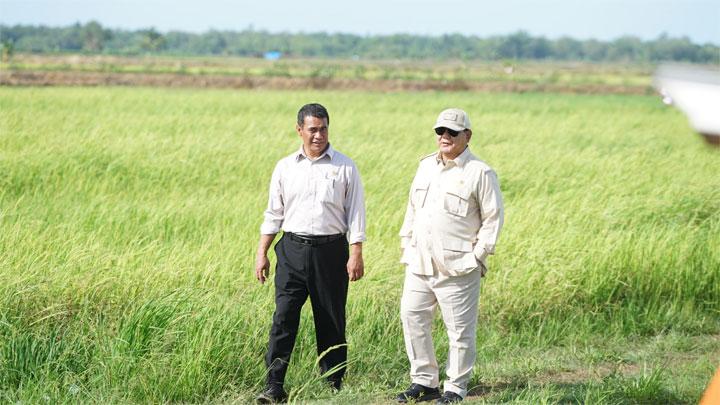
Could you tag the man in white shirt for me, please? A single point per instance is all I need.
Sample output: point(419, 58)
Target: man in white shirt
point(316, 199)
point(452, 223)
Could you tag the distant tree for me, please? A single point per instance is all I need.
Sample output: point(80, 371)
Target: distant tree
point(124, 42)
point(567, 48)
point(514, 46)
point(8, 49)
point(709, 53)
point(665, 48)
point(626, 49)
point(71, 38)
point(595, 50)
point(215, 42)
point(538, 48)
point(151, 40)
point(178, 41)
point(93, 37)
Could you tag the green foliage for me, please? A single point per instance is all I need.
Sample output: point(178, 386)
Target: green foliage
point(152, 41)
point(129, 219)
point(91, 37)
point(94, 36)
point(8, 49)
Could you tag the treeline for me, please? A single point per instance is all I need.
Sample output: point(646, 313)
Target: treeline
point(92, 38)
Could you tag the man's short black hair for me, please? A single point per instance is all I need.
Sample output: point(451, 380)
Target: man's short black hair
point(313, 110)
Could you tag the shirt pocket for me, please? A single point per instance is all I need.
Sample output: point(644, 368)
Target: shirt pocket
point(458, 254)
point(419, 194)
point(328, 190)
point(457, 201)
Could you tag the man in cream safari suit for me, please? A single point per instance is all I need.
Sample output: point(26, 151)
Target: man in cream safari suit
point(453, 219)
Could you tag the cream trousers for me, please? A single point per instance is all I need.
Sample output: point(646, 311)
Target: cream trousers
point(457, 297)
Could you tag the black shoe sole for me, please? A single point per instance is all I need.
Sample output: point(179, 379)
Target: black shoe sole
point(423, 398)
point(444, 400)
point(265, 399)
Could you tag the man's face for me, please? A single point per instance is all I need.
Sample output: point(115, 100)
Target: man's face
point(452, 146)
point(314, 133)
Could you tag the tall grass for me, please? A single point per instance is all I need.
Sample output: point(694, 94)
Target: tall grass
point(129, 219)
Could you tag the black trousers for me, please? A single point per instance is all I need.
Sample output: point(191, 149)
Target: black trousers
point(319, 272)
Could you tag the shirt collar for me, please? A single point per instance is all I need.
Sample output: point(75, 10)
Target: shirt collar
point(329, 152)
point(458, 161)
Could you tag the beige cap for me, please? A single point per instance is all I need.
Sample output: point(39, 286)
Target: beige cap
point(453, 118)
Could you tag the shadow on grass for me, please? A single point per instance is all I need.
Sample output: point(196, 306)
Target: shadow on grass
point(648, 388)
point(487, 390)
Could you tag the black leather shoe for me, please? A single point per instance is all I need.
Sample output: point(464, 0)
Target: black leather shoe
point(418, 393)
point(335, 384)
point(449, 397)
point(273, 394)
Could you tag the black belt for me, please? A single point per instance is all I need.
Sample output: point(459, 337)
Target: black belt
point(313, 240)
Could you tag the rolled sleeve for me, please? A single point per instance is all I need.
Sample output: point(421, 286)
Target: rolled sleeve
point(355, 208)
point(275, 212)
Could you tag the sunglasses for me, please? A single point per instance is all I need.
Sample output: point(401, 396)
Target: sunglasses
point(441, 130)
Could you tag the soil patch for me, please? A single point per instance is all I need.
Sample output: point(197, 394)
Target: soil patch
point(73, 78)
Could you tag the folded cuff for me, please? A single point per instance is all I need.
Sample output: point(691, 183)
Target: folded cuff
point(480, 253)
point(356, 237)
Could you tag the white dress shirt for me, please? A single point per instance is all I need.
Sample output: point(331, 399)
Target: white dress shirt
point(453, 217)
point(323, 196)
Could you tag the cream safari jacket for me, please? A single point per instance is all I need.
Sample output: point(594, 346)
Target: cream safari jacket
point(453, 217)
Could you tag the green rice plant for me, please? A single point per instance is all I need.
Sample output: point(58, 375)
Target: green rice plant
point(129, 219)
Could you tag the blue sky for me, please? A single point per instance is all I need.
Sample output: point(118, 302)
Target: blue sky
point(582, 19)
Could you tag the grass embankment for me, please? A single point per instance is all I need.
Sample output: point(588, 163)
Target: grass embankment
point(230, 72)
point(129, 221)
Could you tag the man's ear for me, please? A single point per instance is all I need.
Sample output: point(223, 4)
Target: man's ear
point(298, 129)
point(469, 134)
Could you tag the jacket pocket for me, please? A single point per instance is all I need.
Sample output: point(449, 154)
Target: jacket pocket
point(419, 194)
point(458, 255)
point(457, 201)
point(409, 255)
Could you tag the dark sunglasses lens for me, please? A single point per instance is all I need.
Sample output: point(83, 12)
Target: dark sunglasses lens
point(442, 130)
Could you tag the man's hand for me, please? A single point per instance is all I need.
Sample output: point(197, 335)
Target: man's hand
point(355, 265)
point(262, 264)
point(262, 268)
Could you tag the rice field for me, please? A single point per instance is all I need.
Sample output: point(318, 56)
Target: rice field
point(129, 219)
point(321, 74)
